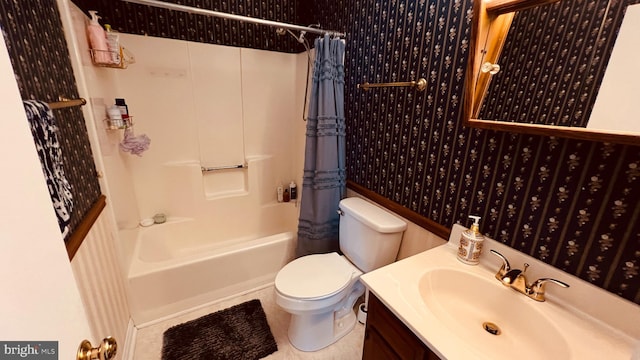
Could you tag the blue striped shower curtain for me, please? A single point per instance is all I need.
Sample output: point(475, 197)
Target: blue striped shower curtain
point(324, 181)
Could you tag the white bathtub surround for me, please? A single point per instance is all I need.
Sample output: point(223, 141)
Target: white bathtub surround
point(237, 240)
point(216, 79)
point(193, 191)
point(202, 105)
point(219, 106)
point(209, 105)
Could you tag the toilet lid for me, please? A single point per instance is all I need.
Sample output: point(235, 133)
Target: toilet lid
point(315, 276)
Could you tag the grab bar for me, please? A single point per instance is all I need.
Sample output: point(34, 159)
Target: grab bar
point(227, 167)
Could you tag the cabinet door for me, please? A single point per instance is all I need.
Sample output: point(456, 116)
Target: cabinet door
point(376, 348)
point(386, 337)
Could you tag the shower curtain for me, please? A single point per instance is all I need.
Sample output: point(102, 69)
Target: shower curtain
point(324, 180)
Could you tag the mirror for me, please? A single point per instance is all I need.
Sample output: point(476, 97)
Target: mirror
point(547, 83)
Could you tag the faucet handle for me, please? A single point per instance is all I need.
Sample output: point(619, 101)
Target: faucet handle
point(505, 265)
point(536, 291)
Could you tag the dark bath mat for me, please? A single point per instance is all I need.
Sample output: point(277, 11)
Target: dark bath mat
point(240, 332)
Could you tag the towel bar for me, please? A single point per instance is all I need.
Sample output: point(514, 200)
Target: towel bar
point(421, 84)
point(64, 103)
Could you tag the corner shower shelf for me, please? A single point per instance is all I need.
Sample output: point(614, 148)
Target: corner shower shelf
point(123, 59)
point(118, 124)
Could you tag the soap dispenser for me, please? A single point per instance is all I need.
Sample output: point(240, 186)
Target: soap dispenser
point(471, 243)
point(98, 40)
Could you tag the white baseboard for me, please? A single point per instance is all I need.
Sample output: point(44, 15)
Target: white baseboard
point(130, 342)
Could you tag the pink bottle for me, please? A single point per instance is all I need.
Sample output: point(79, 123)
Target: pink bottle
point(98, 40)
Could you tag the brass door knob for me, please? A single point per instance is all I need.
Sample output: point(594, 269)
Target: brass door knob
point(106, 351)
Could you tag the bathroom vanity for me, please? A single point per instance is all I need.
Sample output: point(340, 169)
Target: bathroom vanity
point(387, 338)
point(432, 306)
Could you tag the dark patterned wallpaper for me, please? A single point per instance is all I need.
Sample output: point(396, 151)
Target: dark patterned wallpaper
point(573, 204)
point(43, 71)
point(552, 67)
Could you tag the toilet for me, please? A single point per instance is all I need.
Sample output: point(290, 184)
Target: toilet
point(320, 290)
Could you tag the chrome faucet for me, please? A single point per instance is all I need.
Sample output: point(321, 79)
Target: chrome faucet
point(515, 279)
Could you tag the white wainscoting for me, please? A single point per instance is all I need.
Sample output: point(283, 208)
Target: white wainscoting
point(96, 269)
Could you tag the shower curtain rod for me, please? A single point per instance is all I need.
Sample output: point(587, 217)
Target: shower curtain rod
point(223, 15)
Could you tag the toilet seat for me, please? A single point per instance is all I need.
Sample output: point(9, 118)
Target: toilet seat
point(315, 277)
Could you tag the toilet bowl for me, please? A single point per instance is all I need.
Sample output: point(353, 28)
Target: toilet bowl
point(319, 291)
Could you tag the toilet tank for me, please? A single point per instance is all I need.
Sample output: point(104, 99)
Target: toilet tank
point(369, 235)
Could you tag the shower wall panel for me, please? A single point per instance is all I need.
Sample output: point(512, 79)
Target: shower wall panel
point(217, 98)
point(207, 105)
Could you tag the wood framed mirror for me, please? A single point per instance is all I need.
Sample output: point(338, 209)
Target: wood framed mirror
point(531, 107)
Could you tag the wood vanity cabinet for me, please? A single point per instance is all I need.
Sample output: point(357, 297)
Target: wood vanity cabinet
point(387, 338)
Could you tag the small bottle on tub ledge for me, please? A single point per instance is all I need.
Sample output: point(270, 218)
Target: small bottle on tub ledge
point(280, 194)
point(293, 190)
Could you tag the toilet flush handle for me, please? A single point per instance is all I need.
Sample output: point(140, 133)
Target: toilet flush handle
point(340, 212)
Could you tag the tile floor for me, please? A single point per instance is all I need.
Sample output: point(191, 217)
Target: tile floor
point(149, 338)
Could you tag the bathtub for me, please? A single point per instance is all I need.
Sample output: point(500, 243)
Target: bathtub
point(180, 265)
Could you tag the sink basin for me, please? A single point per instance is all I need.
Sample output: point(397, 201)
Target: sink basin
point(489, 317)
